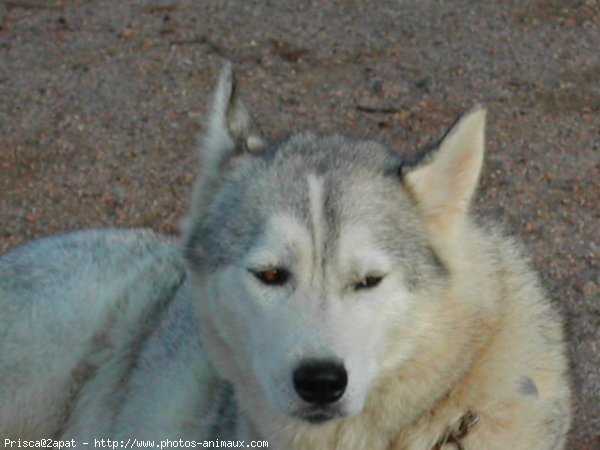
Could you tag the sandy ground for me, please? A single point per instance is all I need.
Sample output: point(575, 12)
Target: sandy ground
point(100, 102)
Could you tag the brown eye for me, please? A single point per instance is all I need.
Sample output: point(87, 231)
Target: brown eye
point(368, 282)
point(273, 277)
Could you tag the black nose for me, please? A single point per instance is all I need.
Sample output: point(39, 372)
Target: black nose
point(320, 381)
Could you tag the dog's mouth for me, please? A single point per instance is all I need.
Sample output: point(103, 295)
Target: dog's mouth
point(319, 415)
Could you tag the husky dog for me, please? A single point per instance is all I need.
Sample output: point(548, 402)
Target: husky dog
point(327, 294)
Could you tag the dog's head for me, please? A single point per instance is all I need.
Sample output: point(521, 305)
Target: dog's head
point(315, 260)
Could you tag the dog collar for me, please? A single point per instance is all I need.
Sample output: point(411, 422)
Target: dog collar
point(454, 435)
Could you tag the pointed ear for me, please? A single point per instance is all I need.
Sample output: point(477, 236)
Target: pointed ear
point(443, 179)
point(231, 134)
point(231, 129)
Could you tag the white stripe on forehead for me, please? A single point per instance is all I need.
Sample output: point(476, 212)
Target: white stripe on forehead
point(316, 201)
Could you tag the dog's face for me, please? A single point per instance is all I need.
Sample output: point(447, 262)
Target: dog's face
point(312, 264)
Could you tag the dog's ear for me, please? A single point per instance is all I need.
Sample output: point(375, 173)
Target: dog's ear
point(444, 179)
point(231, 134)
point(231, 130)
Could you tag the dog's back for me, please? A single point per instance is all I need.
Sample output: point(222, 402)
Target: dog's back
point(67, 304)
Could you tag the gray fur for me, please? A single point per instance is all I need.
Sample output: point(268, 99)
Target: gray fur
point(527, 387)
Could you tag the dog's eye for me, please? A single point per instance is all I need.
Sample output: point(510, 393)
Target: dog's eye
point(368, 282)
point(273, 277)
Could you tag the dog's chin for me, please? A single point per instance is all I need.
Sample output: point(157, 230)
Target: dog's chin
point(319, 415)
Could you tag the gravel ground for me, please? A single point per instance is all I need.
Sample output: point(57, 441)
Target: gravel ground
point(100, 102)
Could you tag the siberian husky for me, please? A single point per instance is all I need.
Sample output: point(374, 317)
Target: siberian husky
point(327, 293)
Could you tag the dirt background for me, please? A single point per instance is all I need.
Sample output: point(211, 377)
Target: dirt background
point(100, 102)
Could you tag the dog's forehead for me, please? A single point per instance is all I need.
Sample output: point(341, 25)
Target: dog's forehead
point(307, 152)
point(336, 161)
point(326, 184)
point(325, 179)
